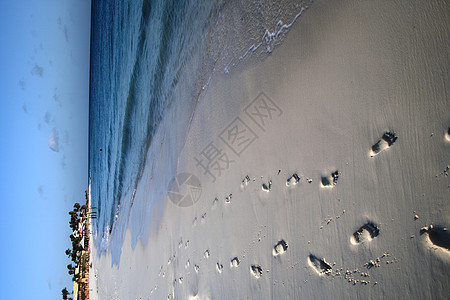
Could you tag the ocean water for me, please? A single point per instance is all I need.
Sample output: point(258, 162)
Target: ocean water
point(142, 52)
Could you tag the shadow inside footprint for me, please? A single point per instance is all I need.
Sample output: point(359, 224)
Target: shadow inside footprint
point(326, 181)
point(365, 233)
point(330, 181)
point(438, 235)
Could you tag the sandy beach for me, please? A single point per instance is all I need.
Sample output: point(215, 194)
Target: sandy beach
point(313, 174)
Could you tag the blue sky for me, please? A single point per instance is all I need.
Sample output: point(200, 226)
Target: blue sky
point(44, 115)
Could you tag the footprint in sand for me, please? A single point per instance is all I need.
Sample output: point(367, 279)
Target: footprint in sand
point(386, 141)
point(234, 263)
point(267, 187)
point(438, 236)
point(293, 180)
point(279, 248)
point(219, 268)
point(256, 271)
point(319, 265)
point(245, 181)
point(366, 232)
point(447, 135)
point(194, 222)
point(203, 220)
point(196, 268)
point(206, 254)
point(215, 202)
point(228, 198)
point(331, 180)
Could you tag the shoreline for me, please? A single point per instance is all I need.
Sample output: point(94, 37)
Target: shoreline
point(342, 79)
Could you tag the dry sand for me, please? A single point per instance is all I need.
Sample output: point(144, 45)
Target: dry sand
point(348, 224)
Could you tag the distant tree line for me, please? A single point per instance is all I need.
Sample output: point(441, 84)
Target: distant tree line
point(78, 214)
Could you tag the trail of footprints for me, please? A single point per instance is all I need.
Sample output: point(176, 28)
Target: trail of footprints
point(255, 269)
point(319, 265)
point(438, 236)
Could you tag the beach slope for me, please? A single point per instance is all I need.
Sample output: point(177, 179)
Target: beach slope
point(320, 172)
